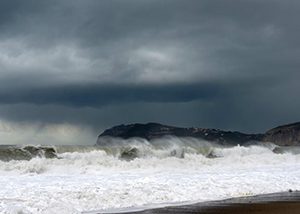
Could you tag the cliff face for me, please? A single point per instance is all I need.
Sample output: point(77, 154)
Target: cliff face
point(150, 131)
point(286, 135)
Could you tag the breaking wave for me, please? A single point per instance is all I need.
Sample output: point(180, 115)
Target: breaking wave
point(135, 172)
point(118, 154)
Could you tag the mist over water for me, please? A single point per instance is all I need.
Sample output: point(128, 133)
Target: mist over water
point(131, 173)
point(12, 133)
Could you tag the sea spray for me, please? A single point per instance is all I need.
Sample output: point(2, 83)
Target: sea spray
point(81, 179)
point(118, 154)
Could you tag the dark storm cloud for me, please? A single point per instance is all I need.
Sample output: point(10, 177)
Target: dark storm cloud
point(221, 63)
point(95, 96)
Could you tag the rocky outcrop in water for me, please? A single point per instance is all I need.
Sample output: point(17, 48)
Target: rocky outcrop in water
point(285, 135)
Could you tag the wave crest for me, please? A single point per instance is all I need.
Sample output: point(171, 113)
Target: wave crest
point(161, 154)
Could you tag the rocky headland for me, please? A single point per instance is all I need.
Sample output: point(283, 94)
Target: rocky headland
point(285, 135)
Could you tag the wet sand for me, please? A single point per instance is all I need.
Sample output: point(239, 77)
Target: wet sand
point(270, 208)
point(277, 203)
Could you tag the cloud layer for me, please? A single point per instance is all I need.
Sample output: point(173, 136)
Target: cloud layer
point(225, 64)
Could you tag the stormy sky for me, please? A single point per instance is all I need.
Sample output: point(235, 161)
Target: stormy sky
point(70, 69)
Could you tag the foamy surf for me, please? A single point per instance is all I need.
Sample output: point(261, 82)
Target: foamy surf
point(137, 173)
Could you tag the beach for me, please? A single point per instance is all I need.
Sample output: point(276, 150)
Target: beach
point(276, 203)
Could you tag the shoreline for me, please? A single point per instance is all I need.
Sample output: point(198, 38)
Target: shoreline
point(275, 203)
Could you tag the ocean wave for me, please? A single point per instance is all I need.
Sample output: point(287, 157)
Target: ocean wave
point(26, 152)
point(82, 179)
point(161, 154)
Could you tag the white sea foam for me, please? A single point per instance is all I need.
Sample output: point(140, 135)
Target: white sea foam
point(96, 180)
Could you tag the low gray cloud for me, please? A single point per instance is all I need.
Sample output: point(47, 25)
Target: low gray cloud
point(97, 96)
point(226, 64)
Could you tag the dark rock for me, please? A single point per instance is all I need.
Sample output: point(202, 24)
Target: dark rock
point(129, 154)
point(286, 135)
point(278, 150)
point(212, 155)
point(176, 154)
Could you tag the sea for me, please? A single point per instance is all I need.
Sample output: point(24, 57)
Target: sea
point(128, 175)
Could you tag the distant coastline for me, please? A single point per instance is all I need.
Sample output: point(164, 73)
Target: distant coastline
point(284, 135)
